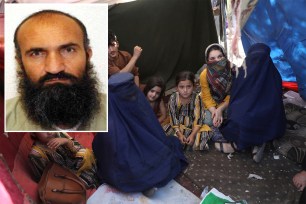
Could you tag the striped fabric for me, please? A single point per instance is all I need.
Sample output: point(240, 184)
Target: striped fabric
point(219, 77)
point(185, 117)
point(79, 160)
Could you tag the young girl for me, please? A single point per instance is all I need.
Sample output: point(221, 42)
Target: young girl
point(154, 92)
point(216, 81)
point(64, 150)
point(186, 114)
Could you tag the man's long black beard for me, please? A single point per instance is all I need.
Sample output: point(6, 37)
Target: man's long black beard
point(60, 104)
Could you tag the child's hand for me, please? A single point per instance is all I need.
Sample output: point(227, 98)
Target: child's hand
point(181, 138)
point(56, 142)
point(190, 140)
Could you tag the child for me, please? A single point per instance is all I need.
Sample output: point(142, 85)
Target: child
point(62, 149)
point(154, 92)
point(186, 114)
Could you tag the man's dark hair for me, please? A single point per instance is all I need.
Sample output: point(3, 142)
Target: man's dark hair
point(50, 12)
point(111, 38)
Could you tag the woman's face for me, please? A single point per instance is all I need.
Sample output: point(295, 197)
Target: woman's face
point(185, 88)
point(215, 56)
point(154, 93)
point(45, 137)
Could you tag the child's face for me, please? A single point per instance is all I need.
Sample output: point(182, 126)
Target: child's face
point(154, 93)
point(185, 88)
point(45, 137)
point(113, 50)
point(215, 56)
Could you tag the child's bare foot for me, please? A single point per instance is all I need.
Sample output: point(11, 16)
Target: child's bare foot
point(299, 180)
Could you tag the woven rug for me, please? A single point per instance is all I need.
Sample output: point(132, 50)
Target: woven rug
point(230, 175)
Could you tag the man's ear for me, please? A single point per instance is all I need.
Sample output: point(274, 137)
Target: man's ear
point(89, 53)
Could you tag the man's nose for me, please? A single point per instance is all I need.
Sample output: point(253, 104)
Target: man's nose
point(111, 48)
point(54, 63)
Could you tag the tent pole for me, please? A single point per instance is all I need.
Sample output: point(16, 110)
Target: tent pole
point(223, 20)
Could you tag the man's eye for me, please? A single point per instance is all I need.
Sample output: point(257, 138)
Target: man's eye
point(69, 49)
point(36, 53)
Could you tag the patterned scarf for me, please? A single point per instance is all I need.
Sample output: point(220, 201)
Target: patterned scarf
point(219, 78)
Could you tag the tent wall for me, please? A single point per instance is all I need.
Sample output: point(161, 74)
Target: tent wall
point(172, 33)
point(281, 25)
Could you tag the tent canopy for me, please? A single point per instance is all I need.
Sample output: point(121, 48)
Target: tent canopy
point(282, 26)
point(173, 34)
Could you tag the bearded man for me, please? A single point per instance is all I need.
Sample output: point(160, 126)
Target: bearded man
point(57, 84)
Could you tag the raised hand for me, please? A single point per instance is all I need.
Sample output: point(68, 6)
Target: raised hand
point(137, 51)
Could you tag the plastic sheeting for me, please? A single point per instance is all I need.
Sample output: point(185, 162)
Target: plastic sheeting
point(281, 25)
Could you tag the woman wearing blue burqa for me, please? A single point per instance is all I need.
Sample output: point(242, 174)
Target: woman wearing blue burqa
point(135, 155)
point(256, 113)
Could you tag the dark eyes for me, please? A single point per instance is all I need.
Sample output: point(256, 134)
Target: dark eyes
point(214, 58)
point(189, 86)
point(69, 49)
point(36, 53)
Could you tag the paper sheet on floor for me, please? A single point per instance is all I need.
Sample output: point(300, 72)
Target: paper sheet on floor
point(215, 197)
point(171, 193)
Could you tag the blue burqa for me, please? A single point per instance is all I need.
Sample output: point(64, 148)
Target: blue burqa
point(135, 154)
point(256, 112)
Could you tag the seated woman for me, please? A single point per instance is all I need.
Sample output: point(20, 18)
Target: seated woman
point(64, 150)
point(216, 82)
point(256, 113)
point(154, 92)
point(135, 155)
point(186, 114)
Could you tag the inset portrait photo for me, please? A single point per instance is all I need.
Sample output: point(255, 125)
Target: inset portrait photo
point(56, 67)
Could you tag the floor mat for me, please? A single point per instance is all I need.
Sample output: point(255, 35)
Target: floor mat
point(230, 174)
point(295, 134)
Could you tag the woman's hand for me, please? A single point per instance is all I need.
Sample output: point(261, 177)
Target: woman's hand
point(56, 142)
point(218, 117)
point(213, 112)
